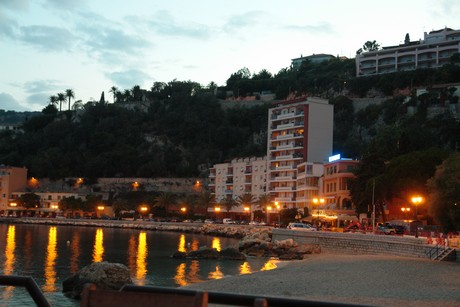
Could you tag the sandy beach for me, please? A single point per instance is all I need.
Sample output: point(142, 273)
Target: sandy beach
point(371, 280)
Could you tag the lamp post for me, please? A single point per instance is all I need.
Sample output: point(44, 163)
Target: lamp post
point(318, 202)
point(279, 213)
point(416, 200)
point(269, 208)
point(216, 210)
point(246, 209)
point(100, 208)
point(143, 210)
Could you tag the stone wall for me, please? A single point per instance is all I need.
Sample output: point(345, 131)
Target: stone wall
point(356, 243)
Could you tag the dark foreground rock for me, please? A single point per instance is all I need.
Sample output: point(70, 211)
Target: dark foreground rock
point(104, 275)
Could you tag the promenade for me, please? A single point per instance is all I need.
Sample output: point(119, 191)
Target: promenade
point(370, 280)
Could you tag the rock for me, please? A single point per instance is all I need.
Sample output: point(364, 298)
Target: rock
point(179, 255)
point(104, 275)
point(204, 253)
point(231, 254)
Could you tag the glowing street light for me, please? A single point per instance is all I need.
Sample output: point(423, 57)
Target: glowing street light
point(318, 202)
point(405, 210)
point(416, 200)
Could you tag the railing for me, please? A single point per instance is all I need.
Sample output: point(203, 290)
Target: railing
point(435, 251)
point(30, 284)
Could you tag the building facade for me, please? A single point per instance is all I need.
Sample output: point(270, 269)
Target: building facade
point(12, 179)
point(238, 177)
point(314, 58)
point(433, 51)
point(299, 135)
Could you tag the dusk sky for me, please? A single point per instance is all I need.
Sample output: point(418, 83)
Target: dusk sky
point(48, 46)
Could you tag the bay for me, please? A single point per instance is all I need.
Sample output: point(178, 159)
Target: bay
point(50, 254)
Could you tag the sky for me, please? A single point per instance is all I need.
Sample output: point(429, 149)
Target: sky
point(48, 46)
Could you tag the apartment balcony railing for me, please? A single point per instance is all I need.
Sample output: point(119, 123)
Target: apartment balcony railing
point(284, 189)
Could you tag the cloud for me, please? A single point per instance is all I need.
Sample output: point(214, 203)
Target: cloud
point(16, 5)
point(8, 26)
point(8, 103)
point(242, 21)
point(163, 23)
point(323, 27)
point(66, 4)
point(128, 78)
point(40, 86)
point(48, 38)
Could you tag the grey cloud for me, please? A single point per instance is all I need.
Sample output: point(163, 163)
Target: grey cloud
point(8, 26)
point(66, 4)
point(40, 86)
point(112, 39)
point(17, 5)
point(8, 103)
point(128, 78)
point(48, 38)
point(41, 99)
point(319, 28)
point(242, 21)
point(164, 24)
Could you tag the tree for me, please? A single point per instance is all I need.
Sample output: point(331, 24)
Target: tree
point(71, 203)
point(229, 203)
point(53, 100)
point(190, 202)
point(368, 46)
point(206, 200)
point(69, 94)
point(263, 201)
point(407, 39)
point(61, 98)
point(114, 91)
point(29, 200)
point(247, 199)
point(444, 193)
point(164, 200)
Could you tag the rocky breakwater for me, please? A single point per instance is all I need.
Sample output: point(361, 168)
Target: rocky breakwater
point(255, 242)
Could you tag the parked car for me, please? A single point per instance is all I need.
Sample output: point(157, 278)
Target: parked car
point(301, 226)
point(386, 229)
point(228, 221)
point(208, 221)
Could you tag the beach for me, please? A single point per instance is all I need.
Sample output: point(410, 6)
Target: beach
point(371, 280)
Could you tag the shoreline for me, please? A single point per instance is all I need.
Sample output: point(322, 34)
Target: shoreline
point(372, 280)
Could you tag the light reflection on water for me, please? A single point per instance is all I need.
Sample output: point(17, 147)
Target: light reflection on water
point(50, 254)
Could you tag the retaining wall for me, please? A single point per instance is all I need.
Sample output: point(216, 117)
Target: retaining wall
point(357, 243)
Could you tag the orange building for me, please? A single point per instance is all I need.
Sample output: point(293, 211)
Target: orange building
point(12, 179)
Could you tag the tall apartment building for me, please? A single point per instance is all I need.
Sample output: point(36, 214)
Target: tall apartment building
point(299, 141)
point(237, 177)
point(12, 179)
point(433, 51)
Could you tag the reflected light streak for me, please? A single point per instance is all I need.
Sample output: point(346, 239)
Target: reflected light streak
point(245, 268)
point(270, 265)
point(194, 274)
point(75, 252)
point(179, 278)
point(181, 246)
point(216, 243)
point(132, 254)
point(217, 274)
point(98, 251)
point(50, 262)
point(141, 271)
point(195, 245)
point(8, 267)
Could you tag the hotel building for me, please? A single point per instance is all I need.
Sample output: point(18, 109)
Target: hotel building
point(299, 140)
point(433, 51)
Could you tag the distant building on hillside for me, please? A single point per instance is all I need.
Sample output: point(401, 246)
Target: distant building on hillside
point(433, 51)
point(314, 58)
point(12, 179)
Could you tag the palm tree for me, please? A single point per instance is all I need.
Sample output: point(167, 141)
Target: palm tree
point(114, 91)
point(263, 201)
point(164, 200)
point(77, 105)
point(189, 201)
point(246, 199)
point(53, 100)
point(229, 203)
point(69, 94)
point(61, 99)
point(206, 200)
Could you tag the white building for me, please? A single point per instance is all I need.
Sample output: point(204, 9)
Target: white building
point(299, 141)
point(238, 177)
point(433, 51)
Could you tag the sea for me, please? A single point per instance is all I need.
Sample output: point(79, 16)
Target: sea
point(50, 254)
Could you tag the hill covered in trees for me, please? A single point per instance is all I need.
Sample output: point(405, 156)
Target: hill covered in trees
point(180, 128)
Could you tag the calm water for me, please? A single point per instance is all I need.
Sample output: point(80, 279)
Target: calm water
point(50, 254)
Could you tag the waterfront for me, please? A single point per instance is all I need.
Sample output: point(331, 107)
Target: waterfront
point(51, 253)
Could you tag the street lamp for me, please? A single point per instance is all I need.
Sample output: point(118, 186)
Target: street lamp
point(216, 210)
point(279, 213)
point(319, 202)
point(416, 200)
point(246, 209)
point(269, 208)
point(100, 209)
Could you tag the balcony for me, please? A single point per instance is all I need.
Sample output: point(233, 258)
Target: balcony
point(284, 189)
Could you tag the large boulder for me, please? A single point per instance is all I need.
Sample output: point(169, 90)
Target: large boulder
point(104, 275)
